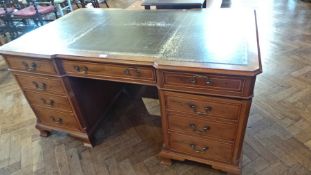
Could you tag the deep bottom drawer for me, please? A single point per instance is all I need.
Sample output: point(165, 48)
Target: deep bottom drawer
point(65, 120)
point(198, 147)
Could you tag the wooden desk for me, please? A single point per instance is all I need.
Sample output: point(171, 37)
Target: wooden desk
point(203, 63)
point(174, 4)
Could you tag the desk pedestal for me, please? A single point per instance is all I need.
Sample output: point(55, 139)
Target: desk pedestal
point(204, 115)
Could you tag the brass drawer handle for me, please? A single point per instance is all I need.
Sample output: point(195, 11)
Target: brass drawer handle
point(196, 129)
point(130, 70)
point(39, 86)
point(197, 149)
point(32, 67)
point(57, 120)
point(193, 79)
point(80, 69)
point(49, 103)
point(194, 108)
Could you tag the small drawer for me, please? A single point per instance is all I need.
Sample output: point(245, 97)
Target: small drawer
point(203, 106)
point(31, 65)
point(110, 71)
point(48, 100)
point(198, 147)
point(41, 84)
point(50, 117)
point(207, 83)
point(202, 128)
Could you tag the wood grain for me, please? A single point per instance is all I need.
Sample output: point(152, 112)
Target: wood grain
point(277, 137)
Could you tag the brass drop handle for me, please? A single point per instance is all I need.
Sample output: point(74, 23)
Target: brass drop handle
point(196, 129)
point(195, 109)
point(198, 149)
point(128, 71)
point(208, 82)
point(80, 69)
point(49, 103)
point(193, 79)
point(57, 120)
point(39, 86)
point(31, 67)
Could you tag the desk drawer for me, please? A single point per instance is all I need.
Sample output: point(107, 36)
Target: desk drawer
point(31, 65)
point(207, 83)
point(41, 84)
point(202, 128)
point(198, 147)
point(203, 106)
point(48, 101)
point(50, 117)
point(110, 71)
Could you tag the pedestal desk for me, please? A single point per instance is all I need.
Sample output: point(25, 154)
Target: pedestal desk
point(203, 63)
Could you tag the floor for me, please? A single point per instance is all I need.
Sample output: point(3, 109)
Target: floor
point(278, 136)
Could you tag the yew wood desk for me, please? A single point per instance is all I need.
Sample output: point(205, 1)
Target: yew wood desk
point(202, 63)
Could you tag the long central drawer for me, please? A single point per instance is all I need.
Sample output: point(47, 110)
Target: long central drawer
point(198, 147)
point(123, 72)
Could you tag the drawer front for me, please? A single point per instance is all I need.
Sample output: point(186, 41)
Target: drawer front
point(41, 84)
point(110, 71)
point(202, 128)
point(48, 101)
point(203, 106)
point(50, 117)
point(207, 83)
point(31, 65)
point(198, 147)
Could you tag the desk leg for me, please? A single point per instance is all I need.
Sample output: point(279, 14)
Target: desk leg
point(165, 161)
point(89, 142)
point(44, 133)
point(147, 7)
point(106, 3)
point(204, 4)
point(95, 4)
point(82, 3)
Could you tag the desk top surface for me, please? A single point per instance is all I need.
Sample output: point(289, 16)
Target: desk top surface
point(215, 39)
